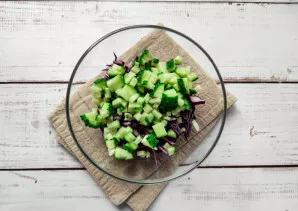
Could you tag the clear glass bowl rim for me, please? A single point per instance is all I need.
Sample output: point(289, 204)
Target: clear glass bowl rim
point(68, 93)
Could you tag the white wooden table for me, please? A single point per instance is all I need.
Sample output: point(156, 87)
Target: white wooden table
point(253, 167)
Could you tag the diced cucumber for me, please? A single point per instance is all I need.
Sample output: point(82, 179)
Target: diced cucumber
point(155, 106)
point(117, 102)
point(126, 92)
point(183, 72)
point(169, 100)
point(111, 152)
point(123, 131)
point(172, 133)
point(122, 154)
point(101, 83)
point(192, 91)
point(145, 57)
point(137, 116)
point(127, 116)
point(158, 90)
point(171, 65)
point(187, 104)
point(128, 77)
point(114, 125)
point(141, 101)
point(164, 78)
point(123, 103)
point(115, 83)
point(143, 119)
point(147, 98)
point(134, 97)
point(106, 110)
point(155, 100)
point(150, 141)
point(180, 102)
point(130, 147)
point(178, 60)
point(133, 82)
point(155, 70)
point(97, 101)
point(110, 144)
point(159, 130)
point(134, 107)
point(147, 108)
point(138, 140)
point(129, 137)
point(96, 91)
point(140, 88)
point(149, 118)
point(173, 78)
point(156, 114)
point(176, 87)
point(108, 93)
point(153, 78)
point(197, 88)
point(192, 77)
point(143, 154)
point(147, 66)
point(116, 70)
point(108, 136)
point(135, 69)
point(162, 66)
point(155, 62)
point(183, 85)
point(170, 149)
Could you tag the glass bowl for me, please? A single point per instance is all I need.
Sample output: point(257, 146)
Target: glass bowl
point(140, 171)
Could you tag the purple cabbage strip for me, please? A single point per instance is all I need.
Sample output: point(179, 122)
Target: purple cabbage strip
point(196, 100)
point(119, 62)
point(104, 70)
point(135, 59)
point(136, 133)
point(117, 117)
point(127, 69)
point(126, 123)
point(175, 126)
point(162, 149)
point(155, 158)
point(115, 56)
point(106, 76)
point(189, 122)
point(168, 140)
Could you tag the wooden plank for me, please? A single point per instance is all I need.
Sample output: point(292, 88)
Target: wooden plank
point(272, 189)
point(261, 128)
point(249, 42)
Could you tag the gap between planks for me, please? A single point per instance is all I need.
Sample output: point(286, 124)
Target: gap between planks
point(200, 167)
point(227, 81)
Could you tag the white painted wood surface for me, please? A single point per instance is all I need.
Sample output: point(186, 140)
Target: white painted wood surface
point(273, 189)
point(249, 42)
point(261, 128)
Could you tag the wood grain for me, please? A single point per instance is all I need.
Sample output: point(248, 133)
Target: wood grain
point(261, 128)
point(210, 189)
point(249, 42)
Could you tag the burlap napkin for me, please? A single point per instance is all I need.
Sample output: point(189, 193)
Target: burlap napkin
point(138, 197)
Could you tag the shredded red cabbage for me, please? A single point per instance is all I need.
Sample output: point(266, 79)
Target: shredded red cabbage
point(196, 100)
point(117, 117)
point(162, 149)
point(175, 126)
point(126, 123)
point(119, 62)
point(171, 142)
point(155, 158)
point(127, 69)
